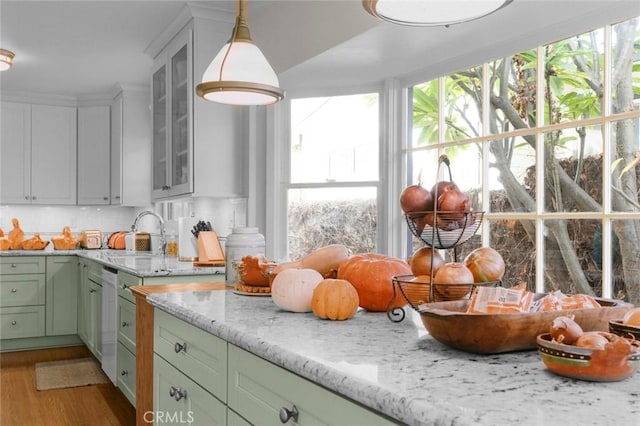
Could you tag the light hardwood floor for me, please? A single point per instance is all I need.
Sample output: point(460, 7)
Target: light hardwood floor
point(21, 404)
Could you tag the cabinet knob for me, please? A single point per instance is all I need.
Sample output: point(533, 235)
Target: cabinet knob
point(124, 286)
point(13, 265)
point(26, 197)
point(117, 197)
point(180, 347)
point(124, 373)
point(91, 290)
point(125, 324)
point(33, 197)
point(286, 414)
point(14, 290)
point(105, 198)
point(177, 393)
point(14, 322)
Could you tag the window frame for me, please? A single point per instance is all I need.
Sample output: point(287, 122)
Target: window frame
point(607, 117)
point(279, 167)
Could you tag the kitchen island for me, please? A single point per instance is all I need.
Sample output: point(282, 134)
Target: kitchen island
point(399, 371)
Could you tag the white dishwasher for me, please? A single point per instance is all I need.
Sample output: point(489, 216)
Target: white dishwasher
point(109, 321)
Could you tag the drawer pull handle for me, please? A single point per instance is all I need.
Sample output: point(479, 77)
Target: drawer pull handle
point(13, 322)
point(180, 347)
point(124, 287)
point(125, 324)
point(14, 290)
point(177, 393)
point(124, 373)
point(91, 290)
point(13, 265)
point(286, 414)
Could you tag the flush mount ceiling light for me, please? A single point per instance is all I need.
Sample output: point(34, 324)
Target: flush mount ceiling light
point(240, 74)
point(6, 59)
point(429, 13)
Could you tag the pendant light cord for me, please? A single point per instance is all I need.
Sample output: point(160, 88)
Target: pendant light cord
point(239, 12)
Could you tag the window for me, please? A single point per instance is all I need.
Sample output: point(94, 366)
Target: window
point(333, 183)
point(547, 143)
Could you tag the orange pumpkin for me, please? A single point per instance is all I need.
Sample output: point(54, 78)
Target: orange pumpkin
point(371, 274)
point(335, 300)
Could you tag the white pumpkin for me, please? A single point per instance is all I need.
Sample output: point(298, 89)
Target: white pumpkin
point(292, 289)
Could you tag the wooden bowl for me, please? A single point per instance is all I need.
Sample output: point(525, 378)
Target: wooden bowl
point(580, 363)
point(450, 324)
point(617, 327)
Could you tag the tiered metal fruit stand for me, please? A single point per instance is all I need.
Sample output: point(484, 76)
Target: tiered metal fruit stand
point(439, 230)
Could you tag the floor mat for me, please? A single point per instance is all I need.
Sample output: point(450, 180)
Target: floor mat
point(69, 373)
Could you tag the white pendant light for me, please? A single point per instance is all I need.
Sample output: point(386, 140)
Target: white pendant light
point(427, 13)
point(240, 74)
point(6, 59)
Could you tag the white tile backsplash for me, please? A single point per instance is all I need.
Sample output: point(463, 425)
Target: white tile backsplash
point(224, 215)
point(50, 220)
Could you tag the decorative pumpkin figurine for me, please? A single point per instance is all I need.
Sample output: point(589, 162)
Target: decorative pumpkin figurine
point(371, 274)
point(292, 289)
point(16, 235)
point(335, 300)
point(65, 241)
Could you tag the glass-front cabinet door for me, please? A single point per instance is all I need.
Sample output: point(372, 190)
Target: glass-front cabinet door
point(159, 107)
point(180, 131)
point(172, 105)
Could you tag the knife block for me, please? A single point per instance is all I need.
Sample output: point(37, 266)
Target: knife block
point(209, 250)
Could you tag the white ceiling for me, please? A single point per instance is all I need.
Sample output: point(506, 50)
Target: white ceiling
point(81, 48)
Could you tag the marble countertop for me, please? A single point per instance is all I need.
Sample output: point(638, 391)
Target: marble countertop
point(397, 369)
point(137, 263)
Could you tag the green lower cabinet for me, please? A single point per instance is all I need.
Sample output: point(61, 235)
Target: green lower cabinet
point(126, 371)
point(262, 393)
point(62, 295)
point(21, 322)
point(234, 419)
point(179, 400)
point(93, 318)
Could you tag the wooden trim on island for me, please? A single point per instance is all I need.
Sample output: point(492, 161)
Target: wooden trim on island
point(144, 340)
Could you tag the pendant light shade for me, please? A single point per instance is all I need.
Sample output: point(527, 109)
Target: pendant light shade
point(6, 59)
point(240, 74)
point(427, 13)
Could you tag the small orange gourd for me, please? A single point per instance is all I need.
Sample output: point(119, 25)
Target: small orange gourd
point(335, 300)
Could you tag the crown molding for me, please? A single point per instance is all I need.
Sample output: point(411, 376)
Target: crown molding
point(188, 13)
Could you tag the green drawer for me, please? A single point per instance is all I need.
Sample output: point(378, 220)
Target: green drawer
point(198, 354)
point(181, 400)
point(94, 271)
point(17, 323)
point(22, 265)
point(126, 370)
point(258, 390)
point(22, 290)
point(124, 282)
point(127, 324)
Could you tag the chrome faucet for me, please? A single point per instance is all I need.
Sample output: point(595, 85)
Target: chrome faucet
point(163, 238)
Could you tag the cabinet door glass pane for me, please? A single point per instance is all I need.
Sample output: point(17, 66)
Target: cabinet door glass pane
point(159, 129)
point(179, 118)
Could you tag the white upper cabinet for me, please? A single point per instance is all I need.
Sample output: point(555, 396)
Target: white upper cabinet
point(94, 142)
point(171, 106)
point(198, 146)
point(15, 153)
point(53, 154)
point(38, 154)
point(130, 148)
